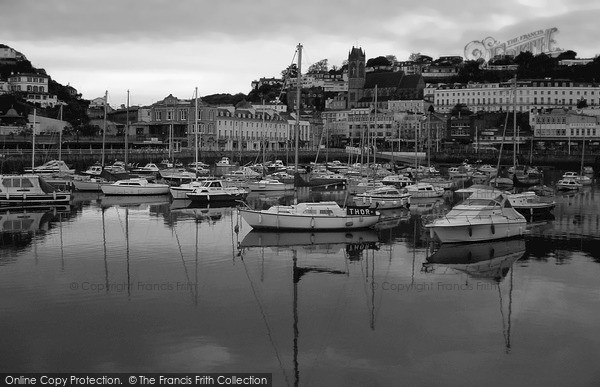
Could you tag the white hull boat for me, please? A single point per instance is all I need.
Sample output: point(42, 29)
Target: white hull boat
point(269, 185)
point(384, 198)
point(424, 190)
point(311, 216)
point(215, 191)
point(478, 219)
point(29, 190)
point(139, 186)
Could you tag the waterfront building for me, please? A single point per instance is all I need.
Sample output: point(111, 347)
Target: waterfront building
point(532, 95)
point(244, 127)
point(566, 127)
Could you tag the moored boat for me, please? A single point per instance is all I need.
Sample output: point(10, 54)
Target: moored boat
point(310, 216)
point(215, 191)
point(29, 190)
point(478, 219)
point(383, 198)
point(424, 190)
point(267, 184)
point(135, 186)
point(568, 184)
point(52, 167)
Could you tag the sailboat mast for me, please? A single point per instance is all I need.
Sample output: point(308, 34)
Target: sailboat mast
point(127, 131)
point(60, 113)
point(196, 134)
point(375, 133)
point(515, 123)
point(298, 95)
point(262, 140)
point(33, 142)
point(104, 126)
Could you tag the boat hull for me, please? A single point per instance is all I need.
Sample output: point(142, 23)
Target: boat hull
point(264, 220)
point(381, 203)
point(35, 200)
point(476, 231)
point(160, 189)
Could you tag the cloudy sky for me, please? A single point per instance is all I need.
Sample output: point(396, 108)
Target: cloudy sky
point(159, 47)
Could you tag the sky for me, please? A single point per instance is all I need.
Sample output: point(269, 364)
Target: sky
point(154, 48)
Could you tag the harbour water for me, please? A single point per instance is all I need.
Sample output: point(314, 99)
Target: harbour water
point(118, 285)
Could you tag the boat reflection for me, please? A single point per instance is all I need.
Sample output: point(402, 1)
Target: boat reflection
point(129, 201)
point(421, 206)
point(186, 209)
point(485, 260)
point(19, 227)
point(392, 218)
point(325, 242)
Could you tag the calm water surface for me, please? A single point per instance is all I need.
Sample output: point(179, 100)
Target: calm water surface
point(118, 285)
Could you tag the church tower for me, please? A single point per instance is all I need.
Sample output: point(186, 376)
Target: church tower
point(356, 75)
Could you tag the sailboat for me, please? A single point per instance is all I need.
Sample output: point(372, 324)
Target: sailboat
point(30, 189)
point(181, 191)
point(312, 215)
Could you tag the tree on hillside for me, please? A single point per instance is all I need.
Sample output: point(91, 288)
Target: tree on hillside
point(290, 72)
point(569, 54)
point(224, 99)
point(318, 67)
point(379, 61)
point(391, 58)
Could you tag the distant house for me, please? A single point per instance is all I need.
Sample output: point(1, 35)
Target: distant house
point(33, 87)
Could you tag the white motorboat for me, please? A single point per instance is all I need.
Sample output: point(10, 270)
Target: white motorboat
point(582, 179)
point(488, 169)
point(135, 186)
point(424, 190)
point(311, 216)
point(215, 191)
point(147, 169)
point(180, 192)
point(383, 198)
point(269, 185)
point(93, 170)
point(52, 167)
point(527, 203)
point(568, 184)
point(397, 180)
point(478, 219)
point(224, 162)
point(29, 190)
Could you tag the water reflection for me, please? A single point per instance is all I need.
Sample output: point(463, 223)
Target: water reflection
point(354, 244)
point(19, 228)
point(140, 201)
point(486, 260)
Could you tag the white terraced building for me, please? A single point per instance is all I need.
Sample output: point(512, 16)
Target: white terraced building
point(532, 95)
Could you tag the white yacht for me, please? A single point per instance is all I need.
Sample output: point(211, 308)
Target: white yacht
point(135, 186)
point(478, 219)
point(310, 216)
